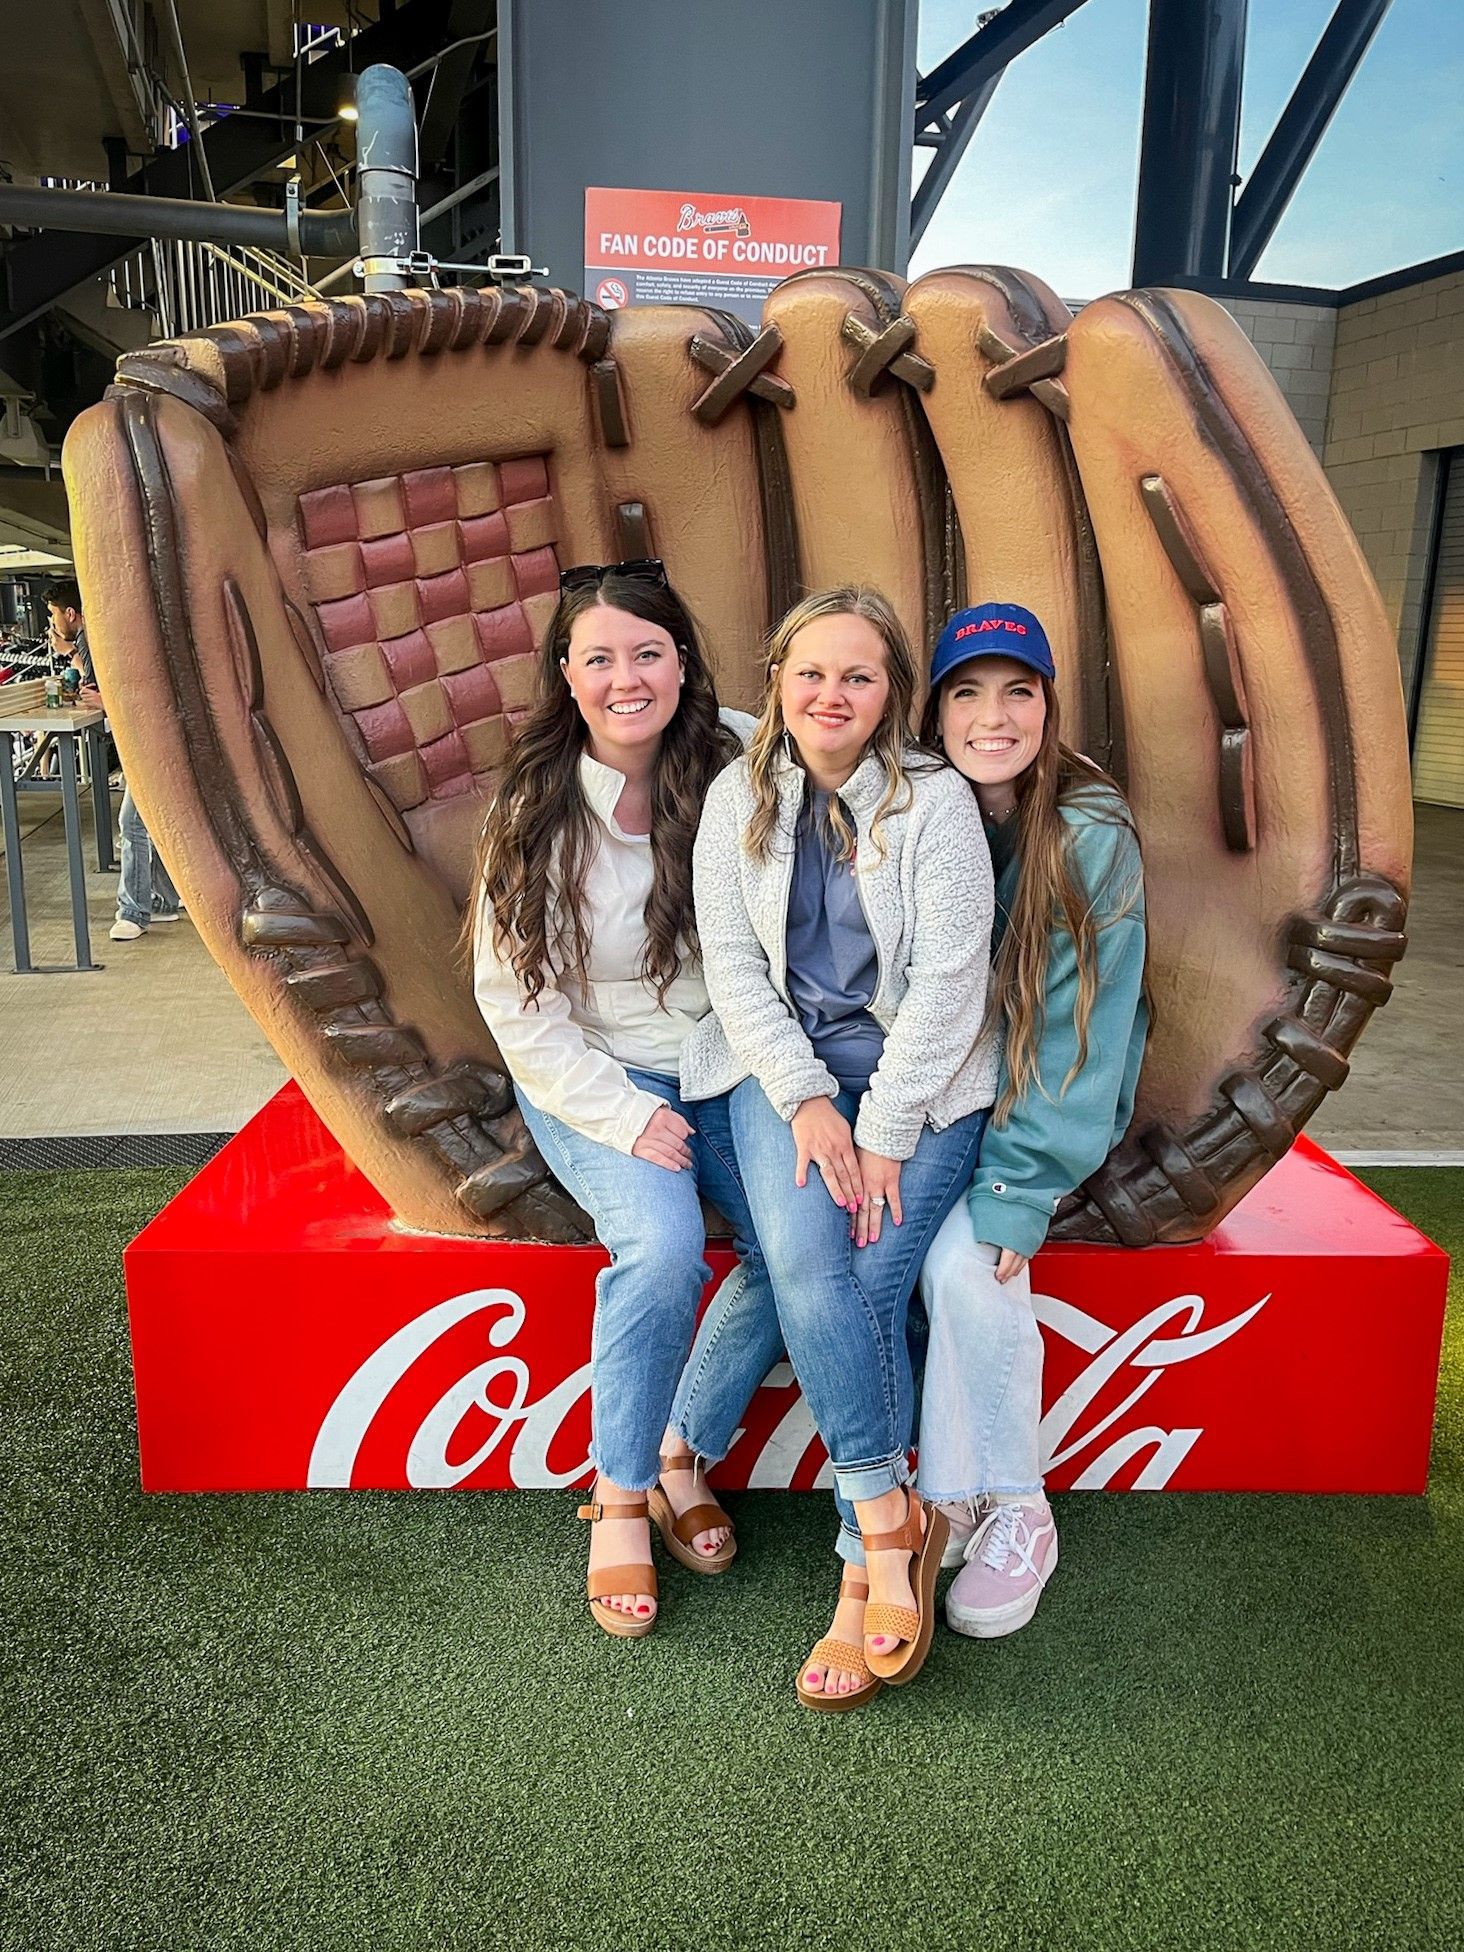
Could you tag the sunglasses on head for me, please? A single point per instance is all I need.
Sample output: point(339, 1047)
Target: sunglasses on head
point(589, 576)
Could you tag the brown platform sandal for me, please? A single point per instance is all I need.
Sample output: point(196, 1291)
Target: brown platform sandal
point(620, 1579)
point(911, 1625)
point(842, 1654)
point(678, 1533)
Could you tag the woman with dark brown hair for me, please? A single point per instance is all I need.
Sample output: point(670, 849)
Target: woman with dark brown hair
point(587, 971)
point(1068, 986)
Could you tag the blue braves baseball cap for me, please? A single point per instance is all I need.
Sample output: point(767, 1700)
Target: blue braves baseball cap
point(992, 630)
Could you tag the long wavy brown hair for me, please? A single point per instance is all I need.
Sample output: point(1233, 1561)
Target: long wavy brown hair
point(539, 818)
point(1050, 893)
point(890, 744)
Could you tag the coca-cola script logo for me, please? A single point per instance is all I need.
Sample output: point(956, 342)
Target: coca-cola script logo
point(497, 1392)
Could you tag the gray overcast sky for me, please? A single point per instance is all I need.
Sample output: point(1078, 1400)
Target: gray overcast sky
point(1048, 182)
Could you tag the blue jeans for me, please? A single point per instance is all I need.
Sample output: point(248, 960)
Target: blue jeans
point(650, 1220)
point(840, 1311)
point(981, 1411)
point(145, 888)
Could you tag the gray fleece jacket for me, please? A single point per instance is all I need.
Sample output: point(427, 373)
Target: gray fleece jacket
point(929, 903)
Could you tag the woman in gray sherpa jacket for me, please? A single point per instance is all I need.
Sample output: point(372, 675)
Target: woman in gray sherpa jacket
point(844, 904)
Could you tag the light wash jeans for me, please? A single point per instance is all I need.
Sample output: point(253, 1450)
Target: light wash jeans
point(840, 1311)
point(981, 1405)
point(650, 1220)
point(145, 888)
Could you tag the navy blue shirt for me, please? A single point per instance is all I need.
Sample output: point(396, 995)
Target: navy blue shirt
point(833, 970)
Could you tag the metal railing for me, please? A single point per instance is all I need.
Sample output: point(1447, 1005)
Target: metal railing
point(187, 286)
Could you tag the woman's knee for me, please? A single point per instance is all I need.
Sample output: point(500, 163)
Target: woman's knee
point(669, 1245)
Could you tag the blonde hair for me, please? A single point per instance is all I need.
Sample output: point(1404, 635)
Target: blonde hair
point(891, 741)
point(1049, 892)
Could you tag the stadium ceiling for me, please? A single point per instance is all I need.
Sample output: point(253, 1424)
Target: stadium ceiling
point(1189, 223)
point(84, 87)
point(75, 78)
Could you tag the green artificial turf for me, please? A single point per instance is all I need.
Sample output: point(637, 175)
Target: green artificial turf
point(384, 1721)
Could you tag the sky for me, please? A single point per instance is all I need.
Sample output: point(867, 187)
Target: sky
point(1049, 180)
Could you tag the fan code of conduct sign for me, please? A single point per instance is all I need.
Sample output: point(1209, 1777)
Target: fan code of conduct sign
point(681, 247)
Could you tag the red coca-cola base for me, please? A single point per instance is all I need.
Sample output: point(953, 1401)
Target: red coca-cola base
point(286, 1336)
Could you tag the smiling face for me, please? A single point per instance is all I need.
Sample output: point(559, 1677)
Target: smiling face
point(625, 676)
point(833, 689)
point(992, 714)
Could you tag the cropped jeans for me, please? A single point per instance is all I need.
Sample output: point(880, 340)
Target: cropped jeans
point(981, 1403)
point(145, 887)
point(650, 1220)
point(838, 1310)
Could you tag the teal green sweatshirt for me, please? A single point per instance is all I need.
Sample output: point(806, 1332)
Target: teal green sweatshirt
point(1053, 1139)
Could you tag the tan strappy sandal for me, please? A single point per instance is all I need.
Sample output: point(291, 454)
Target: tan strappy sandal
point(677, 1533)
point(912, 1626)
point(620, 1579)
point(843, 1654)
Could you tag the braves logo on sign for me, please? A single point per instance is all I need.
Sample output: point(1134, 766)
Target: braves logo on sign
point(495, 1395)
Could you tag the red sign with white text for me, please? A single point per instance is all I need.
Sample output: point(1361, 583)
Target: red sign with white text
point(286, 1336)
point(649, 247)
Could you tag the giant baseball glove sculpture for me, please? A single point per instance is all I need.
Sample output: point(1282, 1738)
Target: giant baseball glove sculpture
point(318, 547)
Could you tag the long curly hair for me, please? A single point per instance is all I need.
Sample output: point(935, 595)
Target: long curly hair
point(539, 839)
point(1049, 892)
point(890, 744)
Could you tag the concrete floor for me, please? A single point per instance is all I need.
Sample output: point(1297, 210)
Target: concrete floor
point(1406, 1091)
point(156, 1041)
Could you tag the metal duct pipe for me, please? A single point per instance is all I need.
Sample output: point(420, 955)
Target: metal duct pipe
point(386, 179)
point(101, 213)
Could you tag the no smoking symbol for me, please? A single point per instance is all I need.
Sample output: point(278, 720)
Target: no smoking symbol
point(612, 294)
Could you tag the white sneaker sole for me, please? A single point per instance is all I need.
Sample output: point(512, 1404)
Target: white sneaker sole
point(998, 1621)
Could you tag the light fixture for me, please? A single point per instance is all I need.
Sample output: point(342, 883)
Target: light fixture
point(346, 107)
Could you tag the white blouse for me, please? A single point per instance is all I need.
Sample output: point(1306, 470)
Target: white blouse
point(568, 1053)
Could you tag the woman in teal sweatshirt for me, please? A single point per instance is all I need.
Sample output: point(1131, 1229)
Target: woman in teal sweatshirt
point(1068, 978)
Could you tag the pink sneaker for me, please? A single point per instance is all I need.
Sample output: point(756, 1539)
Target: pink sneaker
point(1009, 1559)
point(963, 1515)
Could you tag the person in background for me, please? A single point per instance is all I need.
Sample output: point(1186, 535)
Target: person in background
point(68, 630)
point(1068, 982)
point(145, 891)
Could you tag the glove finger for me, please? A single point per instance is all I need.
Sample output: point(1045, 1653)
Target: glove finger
point(1266, 751)
point(869, 494)
point(1022, 536)
point(690, 424)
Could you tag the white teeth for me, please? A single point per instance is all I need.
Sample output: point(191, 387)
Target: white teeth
point(626, 711)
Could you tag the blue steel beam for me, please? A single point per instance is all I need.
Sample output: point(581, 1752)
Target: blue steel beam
point(1301, 126)
point(986, 53)
point(949, 148)
point(1191, 129)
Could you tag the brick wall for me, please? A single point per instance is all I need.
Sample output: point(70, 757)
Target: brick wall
point(1296, 343)
point(1397, 400)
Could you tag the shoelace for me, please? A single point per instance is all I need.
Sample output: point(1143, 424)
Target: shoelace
point(1004, 1532)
